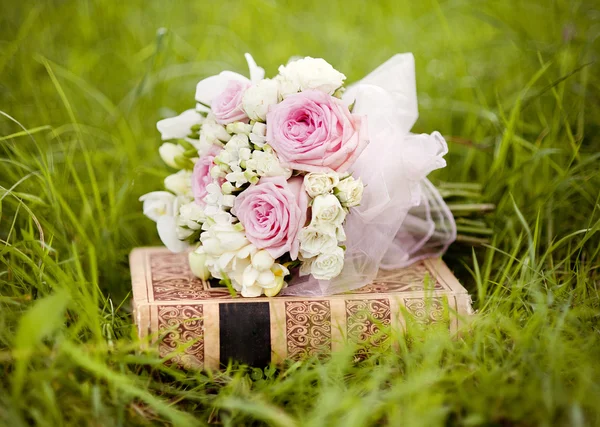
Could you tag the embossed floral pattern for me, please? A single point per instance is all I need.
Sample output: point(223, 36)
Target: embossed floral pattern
point(308, 328)
point(182, 326)
point(365, 320)
point(172, 280)
point(426, 311)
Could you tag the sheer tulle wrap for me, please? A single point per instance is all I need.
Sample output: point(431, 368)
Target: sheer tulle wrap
point(402, 217)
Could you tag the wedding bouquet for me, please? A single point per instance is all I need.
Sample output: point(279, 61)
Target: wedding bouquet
point(299, 180)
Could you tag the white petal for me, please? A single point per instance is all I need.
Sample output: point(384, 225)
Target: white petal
point(167, 231)
point(178, 127)
point(251, 291)
point(212, 246)
point(250, 276)
point(201, 108)
point(225, 259)
point(262, 260)
point(213, 86)
point(157, 195)
point(168, 151)
point(245, 252)
point(266, 279)
point(157, 204)
point(256, 73)
point(198, 265)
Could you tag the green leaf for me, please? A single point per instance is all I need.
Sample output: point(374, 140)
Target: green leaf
point(44, 318)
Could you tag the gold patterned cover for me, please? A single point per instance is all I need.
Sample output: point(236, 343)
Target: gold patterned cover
point(182, 313)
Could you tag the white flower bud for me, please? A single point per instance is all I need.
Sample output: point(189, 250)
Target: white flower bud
point(315, 240)
point(198, 265)
point(328, 265)
point(227, 187)
point(265, 279)
point(265, 163)
point(237, 177)
point(168, 151)
point(262, 260)
point(349, 191)
point(236, 143)
point(259, 134)
point(245, 153)
point(216, 172)
point(326, 209)
point(180, 183)
point(228, 200)
point(320, 183)
point(239, 127)
point(191, 215)
point(214, 132)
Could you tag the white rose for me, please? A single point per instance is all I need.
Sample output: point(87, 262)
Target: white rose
point(179, 127)
point(258, 136)
point(328, 265)
point(258, 98)
point(326, 209)
point(157, 204)
point(320, 183)
point(309, 73)
point(265, 163)
point(198, 265)
point(349, 191)
point(316, 240)
point(168, 151)
point(180, 183)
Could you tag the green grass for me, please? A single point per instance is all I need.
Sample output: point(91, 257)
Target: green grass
point(514, 87)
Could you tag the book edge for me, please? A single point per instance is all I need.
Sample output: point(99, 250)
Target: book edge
point(138, 263)
point(443, 273)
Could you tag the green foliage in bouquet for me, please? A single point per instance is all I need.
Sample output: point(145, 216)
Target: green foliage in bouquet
point(513, 86)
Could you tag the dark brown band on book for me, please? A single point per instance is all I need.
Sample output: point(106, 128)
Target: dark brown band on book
point(245, 333)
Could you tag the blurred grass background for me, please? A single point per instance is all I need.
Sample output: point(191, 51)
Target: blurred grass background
point(514, 87)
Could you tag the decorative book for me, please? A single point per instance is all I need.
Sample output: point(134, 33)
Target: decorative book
point(199, 326)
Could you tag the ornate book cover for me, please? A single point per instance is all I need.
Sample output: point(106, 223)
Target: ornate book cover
point(199, 326)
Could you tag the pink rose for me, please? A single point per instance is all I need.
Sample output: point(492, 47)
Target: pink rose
point(227, 107)
point(201, 174)
point(315, 132)
point(273, 212)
